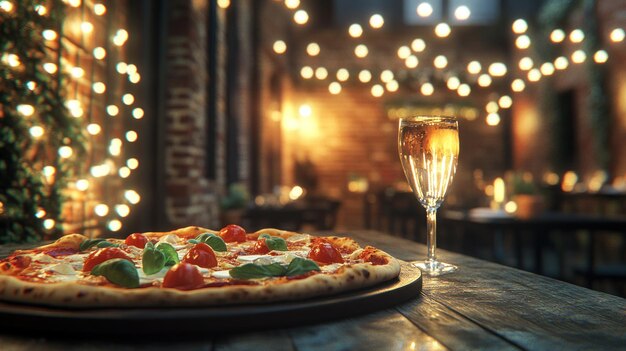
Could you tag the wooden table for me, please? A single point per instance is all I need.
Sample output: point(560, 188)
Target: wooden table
point(483, 306)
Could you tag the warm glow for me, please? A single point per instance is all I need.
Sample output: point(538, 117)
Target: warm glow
point(49, 171)
point(313, 49)
point(492, 107)
point(65, 151)
point(498, 190)
point(77, 72)
point(522, 42)
point(534, 75)
point(424, 9)
point(74, 3)
point(334, 88)
point(442, 30)
point(223, 4)
point(440, 61)
point(36, 131)
point(99, 53)
point(6, 6)
point(86, 27)
point(26, 110)
point(418, 45)
point(518, 85)
point(121, 67)
point(99, 87)
point(138, 113)
point(132, 196)
point(113, 110)
point(301, 17)
point(128, 99)
point(576, 36)
point(392, 86)
point(561, 63)
point(519, 26)
point(307, 72)
point(497, 69)
point(122, 210)
point(101, 210)
point(525, 63)
point(377, 21)
point(377, 90)
point(292, 4)
point(115, 225)
point(124, 172)
point(601, 56)
point(510, 207)
point(134, 78)
point(361, 51)
point(132, 163)
point(493, 119)
point(570, 178)
point(131, 136)
point(404, 52)
point(547, 69)
point(557, 36)
point(355, 30)
point(305, 111)
point(343, 74)
point(462, 13)
point(505, 101)
point(453, 83)
point(427, 89)
point(120, 37)
point(82, 184)
point(94, 129)
point(617, 35)
point(50, 67)
point(474, 67)
point(386, 76)
point(365, 76)
point(579, 56)
point(321, 73)
point(411, 61)
point(41, 10)
point(484, 80)
point(99, 9)
point(279, 47)
point(464, 90)
point(49, 223)
point(296, 192)
point(49, 34)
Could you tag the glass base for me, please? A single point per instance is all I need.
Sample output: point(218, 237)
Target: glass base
point(434, 268)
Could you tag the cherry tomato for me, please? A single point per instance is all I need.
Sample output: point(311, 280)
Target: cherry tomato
point(101, 255)
point(202, 255)
point(324, 252)
point(136, 239)
point(260, 247)
point(183, 276)
point(232, 233)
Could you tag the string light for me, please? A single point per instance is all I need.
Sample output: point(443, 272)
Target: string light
point(453, 83)
point(36, 131)
point(525, 63)
point(223, 4)
point(361, 51)
point(131, 136)
point(355, 30)
point(522, 42)
point(86, 27)
point(49, 223)
point(579, 56)
point(365, 76)
point(343, 74)
point(132, 196)
point(99, 9)
point(138, 113)
point(101, 210)
point(301, 17)
point(99, 53)
point(424, 9)
point(334, 88)
point(601, 56)
point(497, 69)
point(518, 85)
point(474, 67)
point(124, 172)
point(112, 110)
point(65, 151)
point(493, 119)
point(557, 35)
point(442, 30)
point(547, 69)
point(386, 76)
point(484, 80)
point(82, 184)
point(462, 13)
point(279, 47)
point(122, 210)
point(120, 37)
point(321, 73)
point(377, 21)
point(313, 49)
point(377, 90)
point(404, 52)
point(307, 72)
point(41, 10)
point(492, 107)
point(114, 225)
point(94, 129)
point(26, 110)
point(74, 3)
point(411, 61)
point(464, 90)
point(561, 63)
point(121, 67)
point(418, 45)
point(534, 75)
point(519, 26)
point(505, 101)
point(576, 36)
point(6, 6)
point(305, 111)
point(49, 34)
point(392, 86)
point(440, 62)
point(77, 72)
point(128, 99)
point(617, 35)
point(427, 89)
point(98, 87)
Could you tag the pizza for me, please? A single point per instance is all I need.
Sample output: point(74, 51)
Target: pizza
point(191, 266)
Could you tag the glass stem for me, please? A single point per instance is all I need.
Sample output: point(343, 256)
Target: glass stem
point(431, 238)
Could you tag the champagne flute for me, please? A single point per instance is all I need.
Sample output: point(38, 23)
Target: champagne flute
point(429, 150)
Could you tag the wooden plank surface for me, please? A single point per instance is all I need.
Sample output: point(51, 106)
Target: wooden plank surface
point(483, 306)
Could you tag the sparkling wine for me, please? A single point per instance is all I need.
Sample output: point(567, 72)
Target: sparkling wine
point(429, 151)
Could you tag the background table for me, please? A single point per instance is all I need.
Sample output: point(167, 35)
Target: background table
point(482, 306)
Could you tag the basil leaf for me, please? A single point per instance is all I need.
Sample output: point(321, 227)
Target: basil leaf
point(88, 243)
point(214, 241)
point(264, 235)
point(276, 243)
point(193, 241)
point(171, 256)
point(255, 271)
point(118, 271)
point(106, 244)
point(299, 266)
point(152, 259)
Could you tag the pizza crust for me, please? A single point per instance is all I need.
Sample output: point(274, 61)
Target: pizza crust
point(68, 294)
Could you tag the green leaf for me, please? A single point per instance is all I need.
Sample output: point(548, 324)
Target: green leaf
point(89, 243)
point(152, 259)
point(299, 266)
point(118, 271)
point(264, 235)
point(214, 241)
point(193, 241)
point(106, 244)
point(276, 243)
point(171, 256)
point(255, 271)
